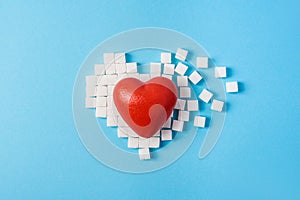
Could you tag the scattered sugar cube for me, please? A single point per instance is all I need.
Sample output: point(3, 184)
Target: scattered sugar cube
point(120, 58)
point(232, 86)
point(199, 121)
point(182, 81)
point(101, 101)
point(133, 142)
point(220, 72)
point(101, 112)
point(144, 154)
point(185, 92)
point(177, 125)
point(195, 77)
point(202, 62)
point(121, 133)
point(169, 69)
point(192, 105)
point(91, 80)
point(154, 142)
point(181, 68)
point(144, 77)
point(184, 115)
point(111, 120)
point(181, 54)
point(180, 104)
point(217, 105)
point(90, 91)
point(144, 142)
point(155, 68)
point(109, 58)
point(205, 95)
point(90, 102)
point(121, 122)
point(121, 68)
point(101, 91)
point(166, 135)
point(131, 67)
point(167, 124)
point(130, 132)
point(99, 69)
point(165, 57)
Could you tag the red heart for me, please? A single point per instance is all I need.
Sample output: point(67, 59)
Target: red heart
point(145, 107)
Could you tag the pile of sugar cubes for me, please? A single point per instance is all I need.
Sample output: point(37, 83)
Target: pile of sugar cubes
point(100, 86)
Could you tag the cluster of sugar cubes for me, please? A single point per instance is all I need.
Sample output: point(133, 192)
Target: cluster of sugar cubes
point(99, 90)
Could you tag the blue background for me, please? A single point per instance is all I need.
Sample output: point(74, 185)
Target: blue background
point(42, 45)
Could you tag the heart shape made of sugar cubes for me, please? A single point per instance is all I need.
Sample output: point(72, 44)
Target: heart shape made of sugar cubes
point(145, 107)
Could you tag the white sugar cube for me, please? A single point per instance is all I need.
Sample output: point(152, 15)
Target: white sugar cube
point(167, 124)
point(99, 69)
point(199, 121)
point(154, 75)
point(167, 76)
point(101, 112)
point(101, 101)
point(232, 86)
point(220, 72)
point(166, 135)
point(120, 58)
point(112, 120)
point(121, 122)
point(144, 154)
point(133, 142)
point(195, 77)
point(109, 58)
point(144, 77)
point(121, 68)
point(181, 68)
point(91, 80)
point(192, 105)
point(110, 68)
point(102, 80)
point(177, 125)
point(205, 95)
point(110, 90)
point(121, 133)
point(202, 62)
point(169, 69)
point(101, 91)
point(157, 134)
point(184, 115)
point(90, 90)
point(182, 81)
point(131, 67)
point(129, 132)
point(144, 142)
point(217, 105)
point(165, 57)
point(185, 92)
point(90, 102)
point(181, 54)
point(155, 68)
point(112, 79)
point(180, 104)
point(154, 142)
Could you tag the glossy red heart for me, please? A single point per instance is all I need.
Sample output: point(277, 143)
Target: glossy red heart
point(145, 107)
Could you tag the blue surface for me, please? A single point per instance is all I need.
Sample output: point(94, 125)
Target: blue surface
point(42, 47)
